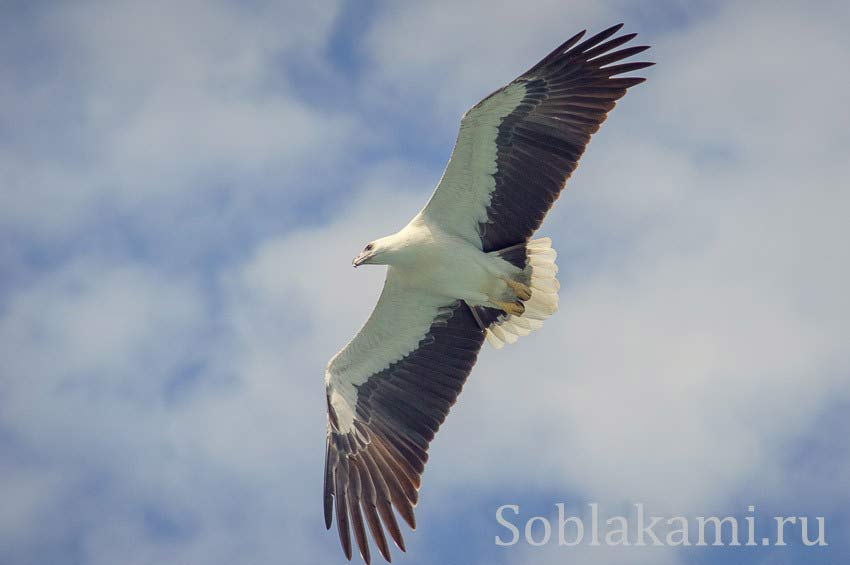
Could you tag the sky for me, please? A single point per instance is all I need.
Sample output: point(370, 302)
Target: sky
point(184, 185)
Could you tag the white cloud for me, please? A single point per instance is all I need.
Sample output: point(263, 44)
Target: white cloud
point(143, 102)
point(450, 55)
point(767, 87)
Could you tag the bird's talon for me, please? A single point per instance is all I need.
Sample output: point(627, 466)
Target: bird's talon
point(513, 308)
point(521, 290)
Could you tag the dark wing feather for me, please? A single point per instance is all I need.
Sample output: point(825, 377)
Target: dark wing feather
point(377, 466)
point(568, 95)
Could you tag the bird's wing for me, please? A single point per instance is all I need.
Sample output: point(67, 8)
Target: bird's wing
point(388, 391)
point(517, 147)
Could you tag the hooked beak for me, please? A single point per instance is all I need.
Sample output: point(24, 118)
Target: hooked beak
point(361, 259)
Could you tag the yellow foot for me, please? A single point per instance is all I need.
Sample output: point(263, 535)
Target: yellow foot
point(512, 308)
point(521, 290)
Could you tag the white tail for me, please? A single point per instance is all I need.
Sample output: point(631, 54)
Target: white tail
point(544, 296)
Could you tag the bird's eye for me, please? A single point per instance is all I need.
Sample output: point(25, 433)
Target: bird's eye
point(369, 247)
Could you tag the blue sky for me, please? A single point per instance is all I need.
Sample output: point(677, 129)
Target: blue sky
point(184, 185)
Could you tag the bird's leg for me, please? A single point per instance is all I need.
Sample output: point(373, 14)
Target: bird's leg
point(521, 290)
point(513, 308)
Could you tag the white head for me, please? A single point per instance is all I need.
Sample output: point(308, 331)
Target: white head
point(382, 251)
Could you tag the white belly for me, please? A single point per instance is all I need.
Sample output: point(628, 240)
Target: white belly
point(454, 268)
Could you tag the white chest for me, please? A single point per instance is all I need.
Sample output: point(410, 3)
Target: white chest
point(450, 266)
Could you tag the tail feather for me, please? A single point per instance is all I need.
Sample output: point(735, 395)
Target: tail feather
point(540, 274)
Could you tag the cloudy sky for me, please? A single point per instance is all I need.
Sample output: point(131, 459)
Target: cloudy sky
point(184, 185)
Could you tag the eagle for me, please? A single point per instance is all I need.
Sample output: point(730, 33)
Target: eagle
point(464, 270)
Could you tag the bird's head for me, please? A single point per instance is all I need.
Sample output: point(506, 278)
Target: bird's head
point(376, 252)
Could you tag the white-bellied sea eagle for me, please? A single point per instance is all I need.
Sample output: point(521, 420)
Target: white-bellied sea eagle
point(463, 270)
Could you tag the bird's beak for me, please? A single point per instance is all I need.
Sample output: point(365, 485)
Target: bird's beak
point(362, 258)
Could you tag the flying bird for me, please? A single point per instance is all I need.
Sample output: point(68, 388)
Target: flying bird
point(464, 269)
